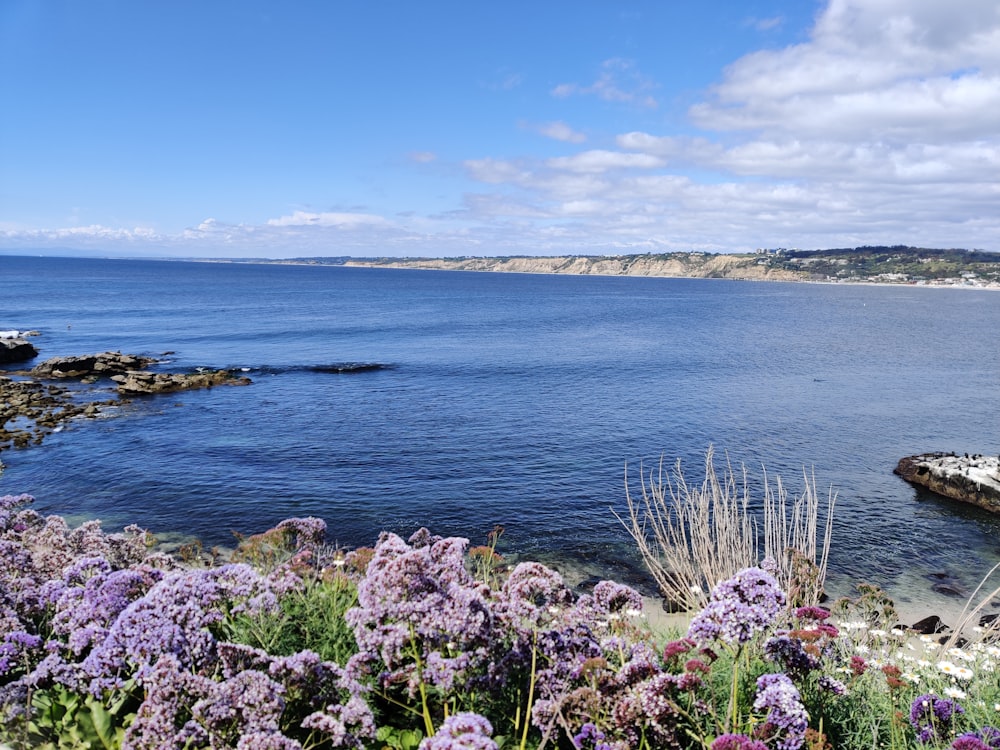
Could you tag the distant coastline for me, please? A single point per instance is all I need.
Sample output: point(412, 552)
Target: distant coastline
point(895, 266)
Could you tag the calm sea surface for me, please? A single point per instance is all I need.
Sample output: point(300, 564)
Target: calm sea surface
point(513, 399)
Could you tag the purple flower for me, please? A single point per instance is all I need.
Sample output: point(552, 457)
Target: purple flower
point(421, 617)
point(790, 654)
point(15, 648)
point(531, 596)
point(816, 614)
point(463, 731)
point(175, 617)
point(777, 695)
point(738, 608)
point(987, 738)
point(832, 685)
point(931, 716)
point(309, 531)
point(617, 597)
point(736, 742)
point(590, 738)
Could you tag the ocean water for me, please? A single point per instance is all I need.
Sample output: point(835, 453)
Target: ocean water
point(517, 400)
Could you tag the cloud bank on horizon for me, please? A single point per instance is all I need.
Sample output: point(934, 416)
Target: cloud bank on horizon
point(259, 129)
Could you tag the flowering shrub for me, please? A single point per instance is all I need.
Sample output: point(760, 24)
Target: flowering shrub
point(421, 644)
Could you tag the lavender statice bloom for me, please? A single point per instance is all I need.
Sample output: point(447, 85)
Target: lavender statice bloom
point(790, 654)
point(832, 685)
point(309, 531)
point(641, 664)
point(83, 612)
point(532, 596)
point(736, 742)
point(248, 703)
point(419, 601)
point(931, 716)
point(462, 731)
point(335, 698)
point(777, 695)
point(590, 738)
point(266, 741)
point(346, 724)
point(422, 537)
point(987, 738)
point(617, 597)
point(656, 699)
point(968, 741)
point(169, 691)
point(15, 650)
point(175, 617)
point(738, 608)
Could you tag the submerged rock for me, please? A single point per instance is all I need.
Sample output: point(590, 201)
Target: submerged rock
point(30, 410)
point(970, 479)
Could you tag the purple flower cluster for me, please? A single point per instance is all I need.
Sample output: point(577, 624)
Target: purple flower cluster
point(309, 532)
point(118, 619)
point(790, 654)
point(738, 608)
point(175, 617)
point(786, 716)
point(932, 716)
point(462, 731)
point(431, 638)
point(590, 738)
point(421, 617)
point(987, 738)
point(423, 620)
point(259, 701)
point(736, 742)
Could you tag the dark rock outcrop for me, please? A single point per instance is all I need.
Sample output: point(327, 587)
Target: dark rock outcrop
point(138, 382)
point(929, 626)
point(16, 349)
point(100, 365)
point(970, 479)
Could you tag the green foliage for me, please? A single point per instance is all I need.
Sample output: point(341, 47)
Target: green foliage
point(65, 720)
point(311, 617)
point(399, 739)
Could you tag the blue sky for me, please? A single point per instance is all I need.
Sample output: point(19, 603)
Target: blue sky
point(249, 128)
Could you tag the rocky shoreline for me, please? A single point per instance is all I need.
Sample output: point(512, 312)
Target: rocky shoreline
point(969, 479)
point(32, 406)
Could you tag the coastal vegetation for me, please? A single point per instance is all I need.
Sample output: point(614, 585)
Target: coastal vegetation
point(429, 643)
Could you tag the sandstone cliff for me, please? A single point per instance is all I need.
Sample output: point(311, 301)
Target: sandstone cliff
point(678, 265)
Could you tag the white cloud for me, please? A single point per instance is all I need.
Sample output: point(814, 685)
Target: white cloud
point(560, 131)
point(602, 161)
point(495, 171)
point(619, 81)
point(422, 157)
point(327, 219)
point(766, 24)
point(914, 69)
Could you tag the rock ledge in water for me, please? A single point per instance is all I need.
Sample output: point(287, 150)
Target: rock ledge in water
point(136, 382)
point(970, 479)
point(104, 364)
